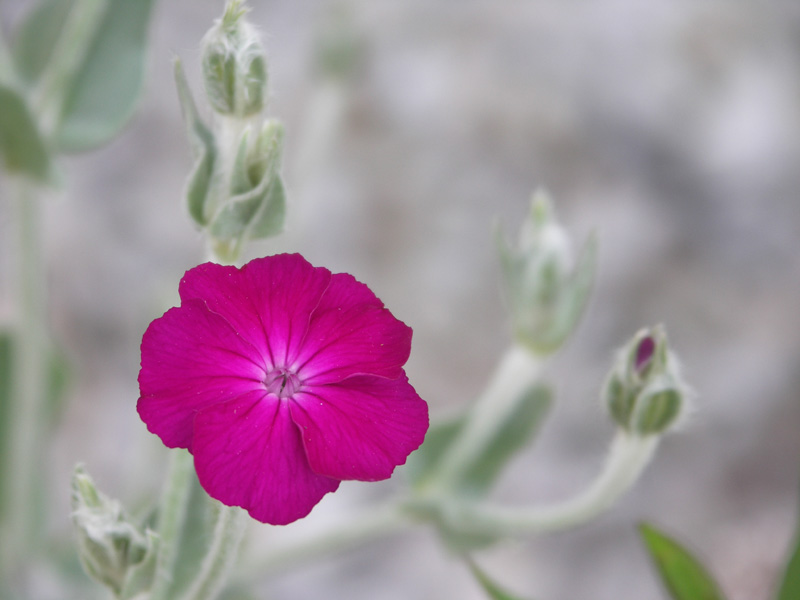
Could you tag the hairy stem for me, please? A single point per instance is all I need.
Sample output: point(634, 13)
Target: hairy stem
point(173, 510)
point(228, 533)
point(627, 458)
point(25, 414)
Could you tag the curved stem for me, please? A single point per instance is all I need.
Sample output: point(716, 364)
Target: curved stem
point(627, 458)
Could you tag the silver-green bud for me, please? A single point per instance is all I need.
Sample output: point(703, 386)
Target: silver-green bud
point(111, 548)
point(644, 391)
point(545, 287)
point(234, 65)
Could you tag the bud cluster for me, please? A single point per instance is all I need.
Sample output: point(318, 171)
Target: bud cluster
point(644, 391)
point(235, 191)
point(112, 550)
point(546, 289)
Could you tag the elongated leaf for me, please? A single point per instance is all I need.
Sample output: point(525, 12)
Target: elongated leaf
point(21, 145)
point(37, 37)
point(103, 93)
point(493, 590)
point(511, 437)
point(423, 462)
point(204, 152)
point(682, 574)
point(789, 588)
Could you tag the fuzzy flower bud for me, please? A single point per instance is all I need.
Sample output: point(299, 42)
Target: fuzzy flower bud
point(234, 65)
point(644, 391)
point(112, 550)
point(546, 288)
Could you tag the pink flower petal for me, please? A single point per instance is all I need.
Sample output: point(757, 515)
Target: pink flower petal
point(191, 359)
point(222, 289)
point(352, 333)
point(361, 428)
point(268, 301)
point(248, 453)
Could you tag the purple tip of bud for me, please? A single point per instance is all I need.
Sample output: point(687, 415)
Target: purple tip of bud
point(644, 353)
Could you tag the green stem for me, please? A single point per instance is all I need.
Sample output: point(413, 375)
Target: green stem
point(172, 516)
point(30, 376)
point(627, 458)
point(228, 533)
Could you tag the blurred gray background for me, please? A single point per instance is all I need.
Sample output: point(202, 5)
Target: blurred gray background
point(670, 128)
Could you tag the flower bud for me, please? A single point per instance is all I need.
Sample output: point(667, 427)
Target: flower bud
point(234, 65)
point(546, 289)
point(111, 548)
point(644, 391)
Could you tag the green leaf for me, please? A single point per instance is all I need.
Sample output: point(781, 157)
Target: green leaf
point(682, 574)
point(262, 210)
point(204, 151)
point(103, 93)
point(37, 37)
point(21, 145)
point(269, 221)
point(423, 462)
point(492, 589)
point(139, 578)
point(478, 477)
point(790, 585)
point(510, 437)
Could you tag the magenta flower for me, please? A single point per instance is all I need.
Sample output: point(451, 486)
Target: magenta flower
point(281, 379)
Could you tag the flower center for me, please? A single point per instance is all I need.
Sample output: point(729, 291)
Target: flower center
point(282, 382)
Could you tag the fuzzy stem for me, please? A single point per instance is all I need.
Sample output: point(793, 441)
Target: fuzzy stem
point(21, 528)
point(228, 533)
point(627, 458)
point(173, 510)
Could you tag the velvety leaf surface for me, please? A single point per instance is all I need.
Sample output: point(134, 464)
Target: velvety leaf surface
point(37, 36)
point(102, 95)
